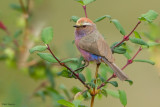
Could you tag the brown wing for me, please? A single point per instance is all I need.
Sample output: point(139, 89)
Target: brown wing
point(95, 43)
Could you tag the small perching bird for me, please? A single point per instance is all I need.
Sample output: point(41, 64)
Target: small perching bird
point(93, 47)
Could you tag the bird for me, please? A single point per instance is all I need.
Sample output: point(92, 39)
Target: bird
point(93, 47)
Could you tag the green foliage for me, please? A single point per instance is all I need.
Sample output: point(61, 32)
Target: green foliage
point(102, 17)
point(82, 77)
point(130, 82)
point(39, 48)
point(112, 93)
point(138, 41)
point(123, 97)
point(119, 50)
point(85, 2)
point(74, 18)
point(149, 16)
point(46, 56)
point(146, 61)
point(16, 7)
point(137, 35)
point(88, 75)
point(118, 26)
point(114, 83)
point(66, 103)
point(47, 35)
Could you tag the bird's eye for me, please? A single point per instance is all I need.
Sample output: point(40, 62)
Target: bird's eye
point(84, 26)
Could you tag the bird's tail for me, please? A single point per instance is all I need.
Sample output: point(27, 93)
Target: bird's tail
point(119, 73)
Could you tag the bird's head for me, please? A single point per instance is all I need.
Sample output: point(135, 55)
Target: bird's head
point(84, 25)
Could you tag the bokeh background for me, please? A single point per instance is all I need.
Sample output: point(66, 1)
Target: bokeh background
point(17, 86)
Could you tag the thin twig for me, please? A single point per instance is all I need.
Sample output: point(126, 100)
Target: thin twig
point(128, 63)
point(125, 38)
point(84, 7)
point(22, 6)
point(63, 64)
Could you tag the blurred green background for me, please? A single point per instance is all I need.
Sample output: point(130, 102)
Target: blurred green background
point(16, 87)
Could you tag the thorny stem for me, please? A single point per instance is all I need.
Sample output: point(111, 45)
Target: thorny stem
point(84, 7)
point(130, 61)
point(63, 64)
point(126, 38)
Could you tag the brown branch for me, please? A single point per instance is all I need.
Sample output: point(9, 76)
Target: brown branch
point(130, 61)
point(126, 38)
point(22, 6)
point(64, 65)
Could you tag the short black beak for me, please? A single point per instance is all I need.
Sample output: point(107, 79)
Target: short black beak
point(76, 26)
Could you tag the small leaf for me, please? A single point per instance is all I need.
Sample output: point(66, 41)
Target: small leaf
point(119, 50)
point(88, 75)
point(17, 33)
point(74, 18)
point(150, 43)
point(65, 103)
point(70, 60)
point(92, 84)
point(127, 55)
point(86, 2)
point(149, 16)
point(130, 82)
point(138, 41)
point(102, 17)
point(118, 26)
point(75, 90)
point(114, 83)
point(80, 1)
point(46, 56)
point(81, 76)
point(38, 48)
point(137, 35)
point(113, 93)
point(123, 97)
point(65, 73)
point(47, 35)
point(146, 61)
point(16, 7)
point(104, 92)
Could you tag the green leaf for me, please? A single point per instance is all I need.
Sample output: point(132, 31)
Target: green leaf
point(137, 35)
point(114, 83)
point(102, 17)
point(70, 60)
point(138, 41)
point(74, 18)
point(104, 92)
point(81, 76)
point(146, 61)
point(123, 97)
point(17, 33)
point(92, 84)
point(118, 26)
point(149, 16)
point(38, 48)
point(50, 76)
point(130, 82)
point(150, 43)
point(88, 75)
point(16, 7)
point(113, 93)
point(65, 103)
point(42, 94)
point(103, 71)
point(86, 2)
point(75, 90)
point(119, 50)
point(48, 57)
point(65, 73)
point(80, 1)
point(127, 55)
point(47, 35)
